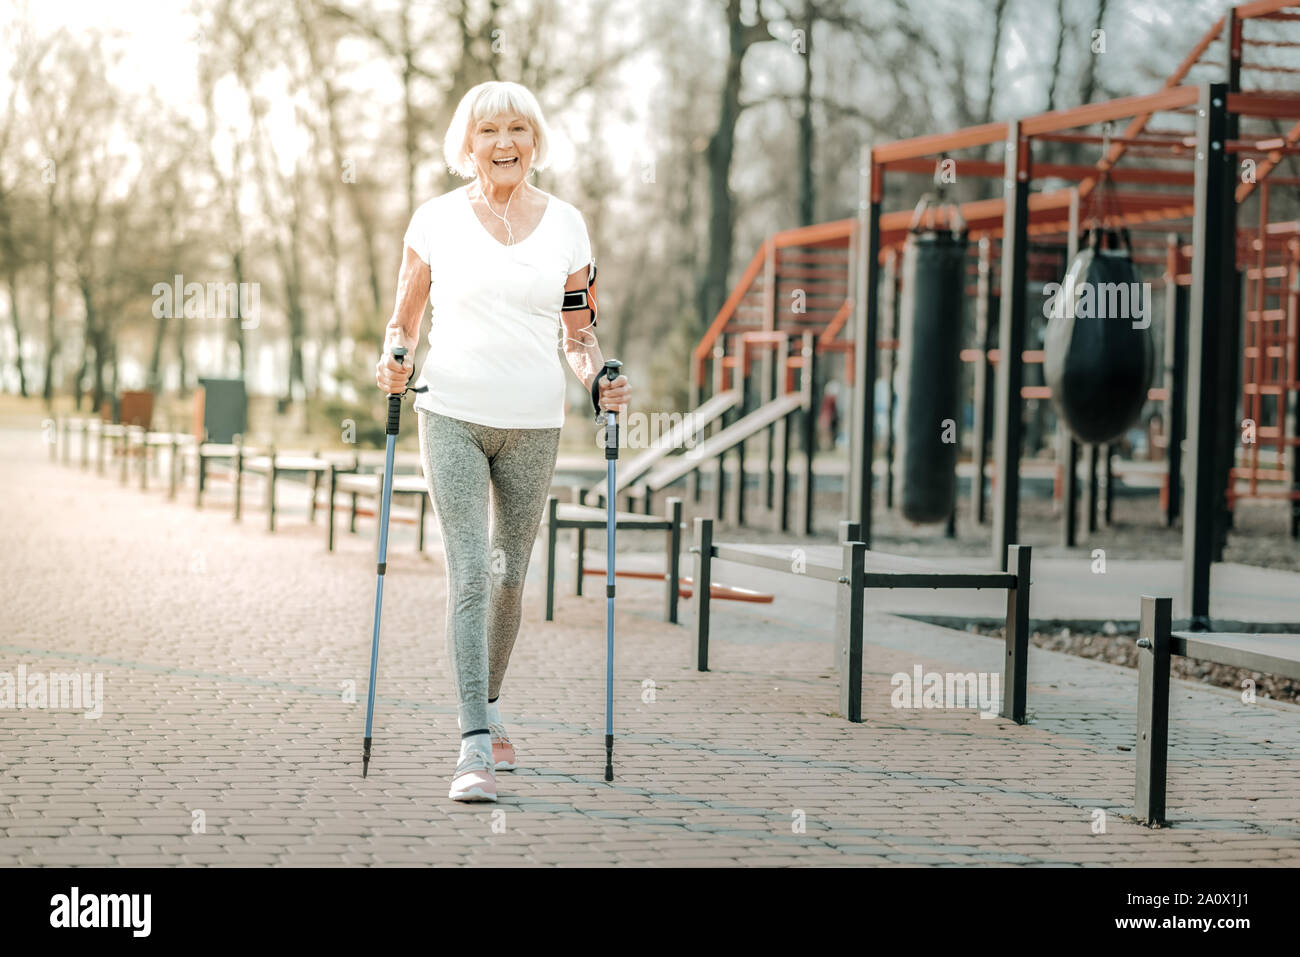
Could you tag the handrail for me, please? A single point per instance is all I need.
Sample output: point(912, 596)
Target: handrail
point(705, 347)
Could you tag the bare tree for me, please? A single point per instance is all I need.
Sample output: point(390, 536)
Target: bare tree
point(62, 77)
point(741, 38)
point(1089, 85)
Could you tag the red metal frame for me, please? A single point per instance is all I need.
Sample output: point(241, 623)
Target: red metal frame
point(1162, 195)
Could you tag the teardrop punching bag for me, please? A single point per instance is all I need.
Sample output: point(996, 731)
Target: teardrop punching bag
point(1098, 365)
point(929, 374)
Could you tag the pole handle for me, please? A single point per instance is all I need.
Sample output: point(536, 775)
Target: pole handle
point(395, 398)
point(610, 372)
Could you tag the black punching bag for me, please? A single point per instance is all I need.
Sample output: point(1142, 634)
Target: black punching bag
point(1099, 356)
point(929, 374)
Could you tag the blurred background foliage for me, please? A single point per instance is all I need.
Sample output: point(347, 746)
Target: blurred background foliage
point(285, 143)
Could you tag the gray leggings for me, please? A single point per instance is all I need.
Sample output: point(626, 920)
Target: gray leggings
point(485, 578)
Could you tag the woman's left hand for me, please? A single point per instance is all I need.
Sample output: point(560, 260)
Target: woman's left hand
point(614, 395)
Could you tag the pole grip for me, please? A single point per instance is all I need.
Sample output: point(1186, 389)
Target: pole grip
point(395, 400)
point(611, 372)
point(611, 436)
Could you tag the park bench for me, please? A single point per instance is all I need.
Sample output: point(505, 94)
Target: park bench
point(585, 517)
point(202, 453)
point(272, 463)
point(83, 424)
point(65, 426)
point(1157, 643)
point(857, 570)
point(172, 441)
point(358, 485)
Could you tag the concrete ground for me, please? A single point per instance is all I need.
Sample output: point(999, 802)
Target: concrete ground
point(235, 661)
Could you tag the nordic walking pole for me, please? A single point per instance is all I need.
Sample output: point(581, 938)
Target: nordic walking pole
point(611, 459)
point(394, 420)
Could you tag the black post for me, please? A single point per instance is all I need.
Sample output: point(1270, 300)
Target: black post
point(552, 504)
point(852, 622)
point(672, 570)
point(270, 491)
point(200, 473)
point(1090, 501)
point(809, 420)
point(703, 552)
point(777, 449)
point(738, 489)
point(580, 536)
point(770, 383)
point(1228, 431)
point(329, 511)
point(889, 307)
point(1175, 420)
point(1008, 423)
point(239, 476)
point(984, 305)
point(1016, 658)
point(1153, 709)
point(1069, 488)
point(1213, 270)
point(171, 468)
point(866, 334)
point(1108, 470)
point(1295, 465)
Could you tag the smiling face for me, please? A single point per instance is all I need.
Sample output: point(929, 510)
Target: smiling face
point(502, 147)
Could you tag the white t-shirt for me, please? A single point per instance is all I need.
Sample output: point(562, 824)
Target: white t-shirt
point(493, 349)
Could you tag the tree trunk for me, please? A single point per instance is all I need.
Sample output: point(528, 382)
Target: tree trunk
point(51, 340)
point(178, 323)
point(807, 187)
point(999, 9)
point(1089, 86)
point(1056, 60)
point(18, 331)
point(155, 356)
point(713, 287)
point(237, 324)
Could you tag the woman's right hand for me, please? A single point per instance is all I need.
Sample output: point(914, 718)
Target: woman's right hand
point(390, 375)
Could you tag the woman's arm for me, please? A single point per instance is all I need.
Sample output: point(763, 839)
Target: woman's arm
point(403, 328)
point(583, 351)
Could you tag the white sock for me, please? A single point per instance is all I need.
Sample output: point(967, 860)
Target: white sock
point(475, 742)
point(493, 714)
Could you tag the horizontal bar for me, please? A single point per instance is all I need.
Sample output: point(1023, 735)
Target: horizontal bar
point(1267, 105)
point(1183, 140)
point(936, 143)
point(1074, 172)
point(743, 556)
point(1117, 109)
point(1201, 645)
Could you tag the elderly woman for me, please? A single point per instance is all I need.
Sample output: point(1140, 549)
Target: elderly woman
point(496, 258)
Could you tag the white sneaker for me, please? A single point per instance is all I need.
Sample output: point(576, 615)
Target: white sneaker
point(474, 779)
point(503, 752)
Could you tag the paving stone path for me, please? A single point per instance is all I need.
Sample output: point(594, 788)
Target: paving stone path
point(234, 666)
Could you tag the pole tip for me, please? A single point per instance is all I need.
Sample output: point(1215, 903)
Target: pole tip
point(609, 772)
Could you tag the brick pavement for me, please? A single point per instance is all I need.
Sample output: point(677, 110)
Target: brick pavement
point(225, 653)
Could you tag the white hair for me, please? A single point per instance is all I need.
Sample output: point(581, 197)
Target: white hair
point(484, 102)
